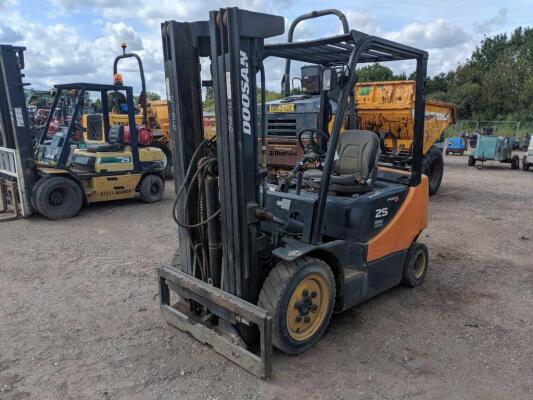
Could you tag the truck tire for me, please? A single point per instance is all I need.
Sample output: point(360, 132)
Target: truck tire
point(152, 188)
point(515, 162)
point(471, 161)
point(415, 265)
point(58, 198)
point(300, 296)
point(433, 167)
point(169, 169)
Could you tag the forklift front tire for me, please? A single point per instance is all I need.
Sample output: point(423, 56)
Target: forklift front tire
point(416, 265)
point(58, 198)
point(300, 296)
point(152, 188)
point(471, 161)
point(515, 162)
point(33, 195)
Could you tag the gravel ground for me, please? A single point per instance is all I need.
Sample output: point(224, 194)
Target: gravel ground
point(79, 312)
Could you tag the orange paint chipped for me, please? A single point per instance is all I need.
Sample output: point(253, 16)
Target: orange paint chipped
point(409, 221)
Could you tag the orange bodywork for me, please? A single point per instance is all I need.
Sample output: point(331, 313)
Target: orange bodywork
point(405, 226)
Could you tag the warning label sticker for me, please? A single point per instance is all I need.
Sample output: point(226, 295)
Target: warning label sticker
point(19, 118)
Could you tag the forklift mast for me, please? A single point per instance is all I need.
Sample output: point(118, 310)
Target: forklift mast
point(142, 96)
point(16, 149)
point(234, 41)
point(237, 38)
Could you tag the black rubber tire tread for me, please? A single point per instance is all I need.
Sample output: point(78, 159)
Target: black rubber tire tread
point(273, 294)
point(33, 195)
point(433, 163)
point(70, 207)
point(169, 170)
point(525, 166)
point(471, 161)
point(408, 276)
point(145, 189)
point(515, 162)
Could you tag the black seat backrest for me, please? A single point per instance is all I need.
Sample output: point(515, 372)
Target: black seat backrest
point(357, 153)
point(116, 135)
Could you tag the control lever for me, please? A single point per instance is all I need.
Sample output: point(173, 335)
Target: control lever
point(289, 225)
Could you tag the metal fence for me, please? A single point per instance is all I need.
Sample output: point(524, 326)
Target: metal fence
point(516, 129)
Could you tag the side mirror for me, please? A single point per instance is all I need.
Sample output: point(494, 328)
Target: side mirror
point(329, 79)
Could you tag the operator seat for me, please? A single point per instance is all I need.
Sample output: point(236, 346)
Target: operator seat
point(355, 166)
point(115, 141)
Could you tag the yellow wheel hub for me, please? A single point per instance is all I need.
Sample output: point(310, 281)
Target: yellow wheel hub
point(307, 307)
point(420, 264)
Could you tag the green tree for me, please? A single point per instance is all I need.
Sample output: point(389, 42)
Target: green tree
point(496, 82)
point(152, 96)
point(375, 73)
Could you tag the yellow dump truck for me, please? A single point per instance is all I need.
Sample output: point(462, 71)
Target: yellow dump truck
point(387, 108)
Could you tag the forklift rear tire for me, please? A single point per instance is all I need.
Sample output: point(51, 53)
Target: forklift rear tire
point(471, 161)
point(58, 198)
point(515, 162)
point(416, 265)
point(152, 188)
point(433, 167)
point(525, 166)
point(300, 296)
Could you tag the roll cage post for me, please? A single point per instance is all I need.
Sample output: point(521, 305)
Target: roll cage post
point(78, 110)
point(363, 45)
point(142, 97)
point(286, 81)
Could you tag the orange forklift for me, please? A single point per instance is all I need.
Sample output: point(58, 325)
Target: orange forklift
point(263, 265)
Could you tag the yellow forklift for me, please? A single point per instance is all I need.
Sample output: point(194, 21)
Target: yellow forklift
point(63, 172)
point(261, 264)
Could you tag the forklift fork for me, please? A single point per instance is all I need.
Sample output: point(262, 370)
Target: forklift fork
point(8, 200)
point(224, 306)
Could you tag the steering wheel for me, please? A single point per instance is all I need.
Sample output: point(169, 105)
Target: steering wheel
point(79, 127)
point(314, 143)
point(388, 135)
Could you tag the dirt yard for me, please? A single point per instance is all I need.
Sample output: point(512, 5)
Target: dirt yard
point(79, 312)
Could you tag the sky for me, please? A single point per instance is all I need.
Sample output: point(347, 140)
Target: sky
point(77, 40)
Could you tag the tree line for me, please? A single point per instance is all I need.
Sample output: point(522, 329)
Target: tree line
point(495, 83)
